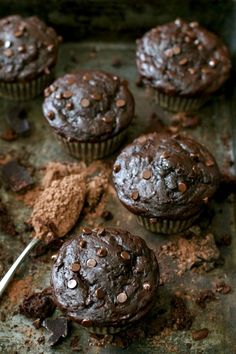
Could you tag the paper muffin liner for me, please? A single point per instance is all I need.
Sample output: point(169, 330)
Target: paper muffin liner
point(22, 91)
point(89, 151)
point(167, 226)
point(105, 330)
point(177, 103)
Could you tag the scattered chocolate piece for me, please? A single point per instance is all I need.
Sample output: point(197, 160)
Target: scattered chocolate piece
point(180, 316)
point(67, 94)
point(82, 244)
point(16, 176)
point(41, 340)
point(125, 255)
point(223, 288)
point(204, 297)
point(116, 62)
point(200, 334)
point(38, 305)
point(8, 135)
point(96, 96)
point(183, 61)
point(107, 215)
point(69, 106)
point(87, 231)
point(224, 240)
point(16, 118)
point(58, 327)
point(51, 115)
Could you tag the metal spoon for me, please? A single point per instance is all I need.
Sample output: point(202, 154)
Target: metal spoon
point(8, 276)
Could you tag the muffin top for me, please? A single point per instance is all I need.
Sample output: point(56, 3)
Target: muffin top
point(28, 48)
point(182, 58)
point(164, 176)
point(88, 106)
point(105, 277)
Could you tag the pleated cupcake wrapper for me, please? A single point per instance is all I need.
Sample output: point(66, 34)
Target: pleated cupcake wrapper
point(178, 104)
point(167, 226)
point(92, 151)
point(22, 91)
point(105, 330)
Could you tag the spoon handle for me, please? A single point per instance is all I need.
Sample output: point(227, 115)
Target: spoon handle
point(8, 276)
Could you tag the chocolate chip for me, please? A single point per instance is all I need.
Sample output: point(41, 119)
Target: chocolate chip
point(47, 92)
point(191, 71)
point(200, 334)
point(85, 102)
point(18, 34)
point(146, 286)
point(82, 243)
point(135, 195)
point(169, 52)
point(107, 120)
point(58, 327)
point(153, 220)
point(182, 187)
point(86, 323)
point(70, 81)
point(212, 63)
point(96, 96)
point(101, 252)
point(91, 263)
point(125, 255)
point(183, 61)
point(8, 53)
point(122, 297)
point(7, 44)
point(50, 47)
point(87, 231)
point(69, 106)
point(100, 293)
point(176, 50)
point(120, 103)
point(209, 163)
point(116, 168)
point(147, 174)
point(72, 283)
point(50, 115)
point(21, 48)
point(67, 94)
point(75, 267)
point(107, 215)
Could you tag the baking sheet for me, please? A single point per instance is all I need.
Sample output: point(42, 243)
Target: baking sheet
point(215, 131)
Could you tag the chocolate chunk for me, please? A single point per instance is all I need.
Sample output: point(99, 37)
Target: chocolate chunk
point(122, 297)
point(85, 102)
point(147, 174)
point(200, 334)
point(100, 293)
point(101, 252)
point(182, 187)
point(58, 327)
point(16, 176)
point(16, 118)
point(116, 168)
point(67, 94)
point(91, 263)
point(135, 195)
point(75, 267)
point(125, 255)
point(120, 103)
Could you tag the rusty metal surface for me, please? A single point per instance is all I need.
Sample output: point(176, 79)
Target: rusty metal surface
point(38, 149)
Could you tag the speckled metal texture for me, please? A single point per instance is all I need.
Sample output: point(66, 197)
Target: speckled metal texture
point(215, 131)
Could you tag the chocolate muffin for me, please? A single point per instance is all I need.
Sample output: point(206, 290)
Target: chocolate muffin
point(182, 63)
point(165, 180)
point(28, 53)
point(105, 279)
point(89, 112)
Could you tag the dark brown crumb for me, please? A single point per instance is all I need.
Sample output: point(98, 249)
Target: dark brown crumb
point(117, 62)
point(37, 323)
point(6, 224)
point(200, 334)
point(107, 215)
point(223, 288)
point(38, 305)
point(227, 187)
point(8, 135)
point(224, 240)
point(180, 316)
point(74, 344)
point(2, 316)
point(204, 297)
